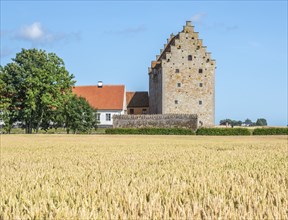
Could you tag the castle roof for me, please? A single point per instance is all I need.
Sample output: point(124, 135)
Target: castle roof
point(171, 42)
point(137, 99)
point(107, 97)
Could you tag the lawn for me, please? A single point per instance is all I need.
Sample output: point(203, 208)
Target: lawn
point(141, 177)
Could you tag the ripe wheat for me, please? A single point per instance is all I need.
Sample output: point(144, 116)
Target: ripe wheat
point(143, 177)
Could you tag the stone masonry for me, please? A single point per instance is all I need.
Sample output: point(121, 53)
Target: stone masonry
point(155, 121)
point(182, 78)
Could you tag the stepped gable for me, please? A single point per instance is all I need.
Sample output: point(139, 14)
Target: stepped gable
point(182, 78)
point(174, 40)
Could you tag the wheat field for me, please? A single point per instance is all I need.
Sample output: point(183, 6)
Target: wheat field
point(143, 177)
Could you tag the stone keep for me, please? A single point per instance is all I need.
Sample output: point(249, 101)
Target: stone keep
point(182, 79)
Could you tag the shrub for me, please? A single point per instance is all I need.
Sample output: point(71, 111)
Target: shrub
point(223, 131)
point(150, 131)
point(270, 131)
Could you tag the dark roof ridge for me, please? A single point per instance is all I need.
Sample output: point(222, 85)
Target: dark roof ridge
point(97, 85)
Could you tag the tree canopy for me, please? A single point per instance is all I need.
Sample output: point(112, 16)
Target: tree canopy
point(261, 122)
point(79, 115)
point(33, 86)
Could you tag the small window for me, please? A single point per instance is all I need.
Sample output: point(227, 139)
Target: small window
point(178, 84)
point(98, 116)
point(176, 102)
point(208, 60)
point(108, 117)
point(200, 102)
point(200, 71)
point(190, 57)
point(131, 111)
point(201, 84)
point(177, 71)
point(144, 111)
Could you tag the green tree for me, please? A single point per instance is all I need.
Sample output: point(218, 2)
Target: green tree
point(39, 85)
point(79, 116)
point(225, 122)
point(261, 122)
point(248, 122)
point(7, 110)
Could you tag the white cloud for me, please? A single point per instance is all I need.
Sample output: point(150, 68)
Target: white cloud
point(198, 18)
point(37, 34)
point(32, 32)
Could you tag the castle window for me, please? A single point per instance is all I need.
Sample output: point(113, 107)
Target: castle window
point(200, 71)
point(177, 71)
point(200, 102)
point(189, 57)
point(178, 84)
point(201, 84)
point(176, 102)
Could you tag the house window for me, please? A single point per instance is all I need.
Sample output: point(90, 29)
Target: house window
point(131, 111)
point(178, 84)
point(201, 84)
point(98, 116)
point(108, 117)
point(208, 60)
point(144, 111)
point(200, 70)
point(177, 71)
point(200, 102)
point(176, 102)
point(189, 57)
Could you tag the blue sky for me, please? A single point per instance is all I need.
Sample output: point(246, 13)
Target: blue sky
point(115, 41)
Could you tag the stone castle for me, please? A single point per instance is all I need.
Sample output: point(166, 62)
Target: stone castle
point(181, 89)
point(182, 78)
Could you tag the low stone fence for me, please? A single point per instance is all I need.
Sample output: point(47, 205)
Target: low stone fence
point(156, 121)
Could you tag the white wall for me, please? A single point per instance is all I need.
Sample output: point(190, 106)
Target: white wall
point(103, 113)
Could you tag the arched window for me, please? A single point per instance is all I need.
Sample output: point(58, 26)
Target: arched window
point(189, 57)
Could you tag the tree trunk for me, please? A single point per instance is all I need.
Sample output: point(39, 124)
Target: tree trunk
point(39, 122)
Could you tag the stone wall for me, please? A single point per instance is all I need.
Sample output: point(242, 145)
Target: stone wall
point(156, 121)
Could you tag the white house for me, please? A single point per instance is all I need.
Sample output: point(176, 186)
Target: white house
point(108, 100)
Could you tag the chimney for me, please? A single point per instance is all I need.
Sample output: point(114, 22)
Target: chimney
point(100, 84)
point(188, 23)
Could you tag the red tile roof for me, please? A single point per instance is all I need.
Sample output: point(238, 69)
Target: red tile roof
point(109, 97)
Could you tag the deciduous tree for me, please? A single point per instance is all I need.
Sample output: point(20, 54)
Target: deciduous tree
point(39, 85)
point(79, 115)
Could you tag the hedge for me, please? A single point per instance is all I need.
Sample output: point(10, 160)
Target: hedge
point(223, 131)
point(270, 131)
point(150, 131)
